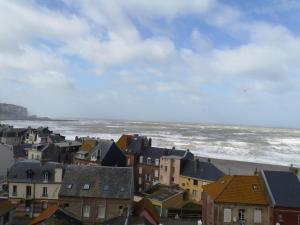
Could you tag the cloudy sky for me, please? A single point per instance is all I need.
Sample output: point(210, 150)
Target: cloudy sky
point(210, 61)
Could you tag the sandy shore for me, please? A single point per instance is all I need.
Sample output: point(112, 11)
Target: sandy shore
point(243, 168)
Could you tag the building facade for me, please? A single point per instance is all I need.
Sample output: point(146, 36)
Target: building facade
point(34, 186)
point(97, 193)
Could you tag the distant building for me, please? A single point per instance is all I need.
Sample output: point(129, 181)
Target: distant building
point(7, 212)
point(97, 193)
point(34, 186)
point(236, 199)
point(284, 193)
point(11, 136)
point(54, 215)
point(105, 153)
point(194, 174)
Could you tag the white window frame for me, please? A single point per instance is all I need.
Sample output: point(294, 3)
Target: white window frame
point(101, 212)
point(257, 215)
point(141, 159)
point(156, 173)
point(227, 215)
point(157, 162)
point(86, 211)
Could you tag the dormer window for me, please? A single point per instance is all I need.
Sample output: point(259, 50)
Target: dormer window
point(157, 162)
point(70, 186)
point(254, 187)
point(86, 186)
point(45, 176)
point(148, 160)
point(29, 174)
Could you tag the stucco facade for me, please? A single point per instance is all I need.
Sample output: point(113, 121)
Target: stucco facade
point(169, 170)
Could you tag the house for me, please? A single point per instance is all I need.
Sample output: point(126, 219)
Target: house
point(194, 174)
point(21, 151)
point(150, 164)
point(166, 197)
point(62, 152)
point(284, 193)
point(235, 199)
point(96, 193)
point(53, 216)
point(37, 136)
point(12, 136)
point(104, 153)
point(7, 212)
point(33, 186)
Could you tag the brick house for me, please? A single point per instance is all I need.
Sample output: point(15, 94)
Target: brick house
point(284, 193)
point(34, 186)
point(96, 193)
point(234, 200)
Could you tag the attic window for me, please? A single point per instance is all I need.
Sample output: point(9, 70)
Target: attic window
point(86, 186)
point(105, 187)
point(29, 174)
point(254, 187)
point(70, 186)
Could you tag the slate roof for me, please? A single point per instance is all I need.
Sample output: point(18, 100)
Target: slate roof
point(104, 182)
point(238, 190)
point(156, 153)
point(283, 188)
point(132, 143)
point(200, 170)
point(18, 171)
point(20, 151)
point(66, 144)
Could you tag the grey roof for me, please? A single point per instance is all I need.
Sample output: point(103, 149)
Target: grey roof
point(104, 182)
point(156, 153)
point(18, 172)
point(283, 188)
point(103, 146)
point(135, 144)
point(20, 151)
point(165, 193)
point(65, 144)
point(200, 170)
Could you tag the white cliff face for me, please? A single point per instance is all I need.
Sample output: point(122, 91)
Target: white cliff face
point(9, 111)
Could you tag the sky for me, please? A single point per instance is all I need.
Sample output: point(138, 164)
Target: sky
point(208, 61)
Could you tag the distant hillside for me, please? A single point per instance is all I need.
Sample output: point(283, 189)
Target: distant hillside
point(9, 111)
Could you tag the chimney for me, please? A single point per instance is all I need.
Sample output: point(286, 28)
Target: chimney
point(150, 142)
point(58, 175)
point(209, 160)
point(294, 170)
point(173, 148)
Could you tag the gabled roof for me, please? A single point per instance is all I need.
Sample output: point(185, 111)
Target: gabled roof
point(53, 216)
point(18, 171)
point(200, 170)
point(103, 147)
point(238, 190)
point(88, 144)
point(100, 182)
point(283, 188)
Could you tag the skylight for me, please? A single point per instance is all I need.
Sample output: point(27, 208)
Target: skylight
point(70, 186)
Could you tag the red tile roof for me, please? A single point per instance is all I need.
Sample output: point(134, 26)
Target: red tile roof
point(47, 213)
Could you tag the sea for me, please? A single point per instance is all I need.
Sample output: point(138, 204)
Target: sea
point(252, 144)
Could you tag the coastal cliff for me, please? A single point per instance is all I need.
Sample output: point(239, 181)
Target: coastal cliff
point(10, 111)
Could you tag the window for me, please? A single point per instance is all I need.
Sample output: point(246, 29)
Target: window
point(14, 192)
point(101, 211)
point(28, 191)
point(257, 216)
point(140, 170)
point(242, 214)
point(157, 162)
point(106, 188)
point(45, 177)
point(86, 186)
point(128, 161)
point(227, 215)
point(195, 182)
point(204, 183)
point(141, 159)
point(6, 218)
point(254, 188)
point(70, 186)
point(29, 174)
point(156, 173)
point(140, 180)
point(166, 168)
point(149, 160)
point(44, 205)
point(121, 210)
point(298, 219)
point(173, 179)
point(86, 211)
point(45, 191)
point(194, 193)
point(183, 184)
